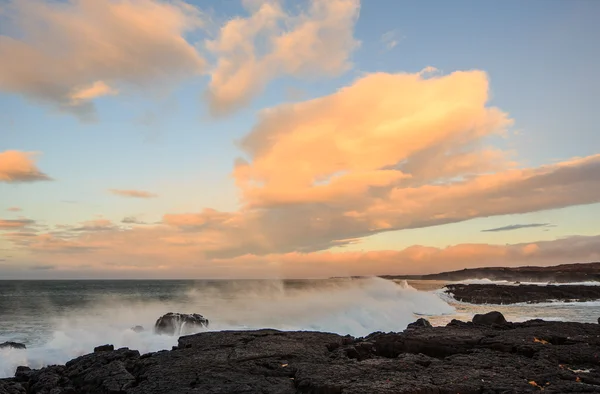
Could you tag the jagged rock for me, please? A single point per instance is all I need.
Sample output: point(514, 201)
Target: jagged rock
point(137, 329)
point(420, 323)
point(104, 348)
point(509, 294)
point(12, 345)
point(179, 323)
point(489, 318)
point(465, 358)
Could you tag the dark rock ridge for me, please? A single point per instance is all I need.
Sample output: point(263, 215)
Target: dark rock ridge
point(507, 294)
point(179, 323)
point(462, 357)
point(12, 345)
point(559, 273)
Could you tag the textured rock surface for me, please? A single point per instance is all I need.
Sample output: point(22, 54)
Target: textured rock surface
point(12, 345)
point(179, 323)
point(565, 273)
point(507, 294)
point(460, 358)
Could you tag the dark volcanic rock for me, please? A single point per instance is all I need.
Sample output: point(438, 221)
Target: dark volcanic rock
point(12, 345)
point(506, 294)
point(490, 318)
point(104, 348)
point(179, 323)
point(564, 273)
point(420, 323)
point(466, 358)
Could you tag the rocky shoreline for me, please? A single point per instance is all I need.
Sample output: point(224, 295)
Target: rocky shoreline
point(564, 273)
point(509, 294)
point(488, 355)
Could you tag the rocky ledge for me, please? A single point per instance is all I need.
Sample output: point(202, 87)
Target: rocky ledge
point(508, 294)
point(492, 356)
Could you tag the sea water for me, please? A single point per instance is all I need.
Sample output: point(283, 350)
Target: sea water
point(60, 320)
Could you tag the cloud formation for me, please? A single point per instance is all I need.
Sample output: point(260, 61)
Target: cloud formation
point(17, 166)
point(388, 152)
point(14, 209)
point(133, 193)
point(67, 53)
point(9, 224)
point(272, 42)
point(517, 227)
point(390, 39)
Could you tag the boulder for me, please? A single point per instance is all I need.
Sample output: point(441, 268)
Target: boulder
point(104, 348)
point(420, 323)
point(12, 345)
point(489, 319)
point(137, 329)
point(180, 323)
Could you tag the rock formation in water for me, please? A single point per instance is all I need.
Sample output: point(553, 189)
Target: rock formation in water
point(463, 357)
point(12, 345)
point(179, 323)
point(559, 273)
point(508, 294)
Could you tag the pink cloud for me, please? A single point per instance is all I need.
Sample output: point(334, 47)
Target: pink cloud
point(316, 41)
point(17, 166)
point(133, 193)
point(14, 209)
point(68, 53)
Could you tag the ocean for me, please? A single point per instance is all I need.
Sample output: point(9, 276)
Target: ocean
point(60, 320)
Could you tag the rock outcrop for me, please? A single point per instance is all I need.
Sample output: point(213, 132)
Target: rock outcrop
point(564, 273)
point(462, 357)
point(12, 345)
point(507, 294)
point(180, 323)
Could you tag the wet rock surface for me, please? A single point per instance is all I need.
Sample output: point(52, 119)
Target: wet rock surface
point(178, 323)
point(507, 294)
point(12, 345)
point(463, 357)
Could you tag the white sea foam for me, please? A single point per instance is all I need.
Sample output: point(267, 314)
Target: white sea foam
point(356, 307)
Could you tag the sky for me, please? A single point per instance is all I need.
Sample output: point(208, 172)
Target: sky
point(284, 139)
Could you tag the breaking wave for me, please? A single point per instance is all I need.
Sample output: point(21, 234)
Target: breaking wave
point(356, 307)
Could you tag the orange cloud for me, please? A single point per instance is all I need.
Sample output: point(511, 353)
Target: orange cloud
point(388, 152)
point(15, 223)
point(133, 193)
point(97, 89)
point(17, 166)
point(318, 40)
point(146, 253)
point(382, 132)
point(66, 54)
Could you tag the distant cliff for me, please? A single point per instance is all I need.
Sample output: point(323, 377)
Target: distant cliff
point(583, 272)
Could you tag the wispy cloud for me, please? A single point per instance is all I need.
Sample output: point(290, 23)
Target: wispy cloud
point(132, 220)
point(517, 227)
point(15, 223)
point(14, 209)
point(391, 39)
point(133, 193)
point(17, 166)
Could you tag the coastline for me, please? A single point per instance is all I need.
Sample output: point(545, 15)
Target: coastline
point(491, 356)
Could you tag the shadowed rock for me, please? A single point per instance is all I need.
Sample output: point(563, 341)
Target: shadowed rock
point(461, 358)
point(137, 329)
point(12, 345)
point(489, 319)
point(508, 294)
point(420, 323)
point(179, 323)
point(104, 348)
